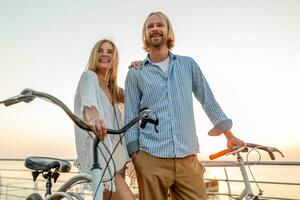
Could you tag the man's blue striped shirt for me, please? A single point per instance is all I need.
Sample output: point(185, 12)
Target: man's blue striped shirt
point(170, 96)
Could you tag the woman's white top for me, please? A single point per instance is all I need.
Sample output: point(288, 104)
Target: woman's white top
point(90, 94)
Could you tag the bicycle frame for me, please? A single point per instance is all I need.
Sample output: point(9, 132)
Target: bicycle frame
point(247, 192)
point(96, 173)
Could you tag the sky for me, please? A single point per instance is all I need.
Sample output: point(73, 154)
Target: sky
point(249, 52)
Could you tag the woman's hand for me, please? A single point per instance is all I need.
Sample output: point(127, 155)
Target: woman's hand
point(95, 122)
point(99, 127)
point(136, 64)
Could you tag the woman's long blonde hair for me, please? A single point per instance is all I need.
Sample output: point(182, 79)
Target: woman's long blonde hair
point(170, 36)
point(112, 71)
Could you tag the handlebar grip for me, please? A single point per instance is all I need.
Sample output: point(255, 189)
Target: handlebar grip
point(10, 102)
point(17, 99)
point(271, 155)
point(219, 154)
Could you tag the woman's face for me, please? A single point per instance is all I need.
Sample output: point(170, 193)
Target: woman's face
point(105, 53)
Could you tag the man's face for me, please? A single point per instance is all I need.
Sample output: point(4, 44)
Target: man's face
point(156, 31)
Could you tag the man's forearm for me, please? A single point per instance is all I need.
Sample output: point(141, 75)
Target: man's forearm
point(228, 134)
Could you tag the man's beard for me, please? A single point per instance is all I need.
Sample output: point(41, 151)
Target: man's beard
point(157, 44)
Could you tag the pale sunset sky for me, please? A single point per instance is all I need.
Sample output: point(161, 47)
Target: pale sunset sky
point(249, 52)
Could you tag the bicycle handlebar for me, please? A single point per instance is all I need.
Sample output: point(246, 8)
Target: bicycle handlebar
point(28, 95)
point(23, 97)
point(226, 152)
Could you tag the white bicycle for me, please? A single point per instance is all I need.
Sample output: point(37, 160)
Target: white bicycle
point(51, 167)
point(247, 192)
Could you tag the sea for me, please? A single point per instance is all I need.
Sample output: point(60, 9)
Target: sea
point(16, 181)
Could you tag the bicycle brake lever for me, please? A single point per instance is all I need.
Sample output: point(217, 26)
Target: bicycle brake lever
point(156, 123)
point(236, 150)
point(156, 130)
point(146, 120)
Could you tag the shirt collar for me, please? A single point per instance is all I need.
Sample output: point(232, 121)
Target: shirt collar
point(147, 59)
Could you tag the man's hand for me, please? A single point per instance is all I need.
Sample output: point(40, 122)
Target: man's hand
point(133, 156)
point(136, 64)
point(232, 141)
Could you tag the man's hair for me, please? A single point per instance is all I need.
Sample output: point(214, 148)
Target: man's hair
point(170, 34)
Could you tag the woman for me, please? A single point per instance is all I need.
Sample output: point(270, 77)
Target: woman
point(96, 100)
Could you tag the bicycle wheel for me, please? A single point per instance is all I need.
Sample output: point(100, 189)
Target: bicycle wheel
point(78, 179)
point(73, 181)
point(34, 196)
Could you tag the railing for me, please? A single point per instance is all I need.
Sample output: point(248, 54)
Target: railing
point(289, 190)
point(16, 181)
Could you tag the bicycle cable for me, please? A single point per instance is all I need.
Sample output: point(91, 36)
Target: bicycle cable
point(107, 164)
point(111, 158)
point(257, 162)
point(107, 161)
point(107, 167)
point(32, 94)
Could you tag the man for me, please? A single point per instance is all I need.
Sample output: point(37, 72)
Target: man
point(166, 161)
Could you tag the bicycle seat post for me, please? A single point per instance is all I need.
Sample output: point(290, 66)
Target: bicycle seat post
point(48, 184)
point(49, 175)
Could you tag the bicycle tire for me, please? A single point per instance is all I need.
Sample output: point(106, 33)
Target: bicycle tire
point(34, 196)
point(74, 180)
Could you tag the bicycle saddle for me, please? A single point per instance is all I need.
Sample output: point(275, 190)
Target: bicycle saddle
point(46, 164)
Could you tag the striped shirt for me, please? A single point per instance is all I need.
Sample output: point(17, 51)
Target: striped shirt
point(170, 96)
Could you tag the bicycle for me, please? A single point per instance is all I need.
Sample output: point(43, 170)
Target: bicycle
point(247, 192)
point(51, 167)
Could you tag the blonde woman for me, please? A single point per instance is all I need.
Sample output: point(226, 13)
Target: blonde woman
point(96, 100)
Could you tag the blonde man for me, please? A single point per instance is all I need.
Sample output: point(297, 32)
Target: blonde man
point(166, 161)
